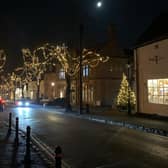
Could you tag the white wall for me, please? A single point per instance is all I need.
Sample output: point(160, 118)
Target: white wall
point(149, 69)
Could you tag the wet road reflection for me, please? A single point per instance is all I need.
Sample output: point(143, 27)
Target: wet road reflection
point(89, 144)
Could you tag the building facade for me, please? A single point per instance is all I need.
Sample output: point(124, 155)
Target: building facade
point(151, 69)
point(54, 84)
point(100, 84)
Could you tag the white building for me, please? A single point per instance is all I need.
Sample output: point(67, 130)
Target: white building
point(151, 62)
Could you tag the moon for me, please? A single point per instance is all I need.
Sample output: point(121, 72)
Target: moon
point(99, 4)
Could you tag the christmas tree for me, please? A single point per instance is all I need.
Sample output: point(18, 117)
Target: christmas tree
point(125, 94)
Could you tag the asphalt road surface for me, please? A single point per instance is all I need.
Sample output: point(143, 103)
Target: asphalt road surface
point(88, 144)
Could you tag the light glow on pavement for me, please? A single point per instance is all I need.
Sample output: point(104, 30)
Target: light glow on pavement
point(53, 118)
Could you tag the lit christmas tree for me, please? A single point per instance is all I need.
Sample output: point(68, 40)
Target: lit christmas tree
point(125, 93)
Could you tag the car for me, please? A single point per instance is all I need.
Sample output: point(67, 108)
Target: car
point(56, 102)
point(23, 103)
point(2, 104)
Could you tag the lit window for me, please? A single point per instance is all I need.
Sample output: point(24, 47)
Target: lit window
point(61, 74)
point(61, 94)
point(85, 70)
point(158, 91)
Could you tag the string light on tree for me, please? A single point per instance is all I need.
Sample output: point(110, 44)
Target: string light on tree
point(3, 79)
point(5, 86)
point(36, 63)
point(38, 60)
point(2, 59)
point(71, 63)
point(123, 95)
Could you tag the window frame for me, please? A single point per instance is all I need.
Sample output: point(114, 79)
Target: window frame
point(157, 91)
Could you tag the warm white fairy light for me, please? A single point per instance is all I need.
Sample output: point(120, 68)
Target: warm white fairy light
point(123, 95)
point(4, 85)
point(2, 59)
point(71, 63)
point(36, 62)
point(3, 81)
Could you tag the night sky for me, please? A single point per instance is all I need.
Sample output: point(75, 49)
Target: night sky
point(32, 23)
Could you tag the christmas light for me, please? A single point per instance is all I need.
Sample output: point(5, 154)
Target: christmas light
point(123, 95)
point(2, 59)
point(71, 63)
point(36, 63)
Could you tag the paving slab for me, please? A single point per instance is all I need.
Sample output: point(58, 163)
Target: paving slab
point(12, 155)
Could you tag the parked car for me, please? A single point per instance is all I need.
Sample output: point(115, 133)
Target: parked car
point(23, 102)
point(44, 101)
point(56, 102)
point(2, 104)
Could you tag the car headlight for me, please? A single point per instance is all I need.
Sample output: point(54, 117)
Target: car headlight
point(20, 103)
point(27, 103)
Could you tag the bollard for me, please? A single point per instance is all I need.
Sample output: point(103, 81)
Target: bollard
point(17, 131)
point(27, 158)
point(10, 122)
point(58, 157)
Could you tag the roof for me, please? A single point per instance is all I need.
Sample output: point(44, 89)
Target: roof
point(157, 31)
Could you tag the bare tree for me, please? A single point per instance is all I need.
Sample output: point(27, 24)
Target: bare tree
point(71, 64)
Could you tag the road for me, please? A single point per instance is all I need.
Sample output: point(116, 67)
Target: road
point(88, 144)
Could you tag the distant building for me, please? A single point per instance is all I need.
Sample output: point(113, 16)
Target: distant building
point(100, 84)
point(32, 90)
point(55, 84)
point(151, 62)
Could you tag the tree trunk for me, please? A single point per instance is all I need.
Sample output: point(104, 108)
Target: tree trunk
point(14, 96)
point(22, 91)
point(27, 89)
point(68, 93)
point(38, 92)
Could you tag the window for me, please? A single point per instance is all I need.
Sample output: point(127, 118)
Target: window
point(85, 70)
point(87, 95)
point(158, 91)
point(62, 74)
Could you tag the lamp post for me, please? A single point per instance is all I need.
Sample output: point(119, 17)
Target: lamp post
point(128, 75)
point(80, 68)
point(98, 5)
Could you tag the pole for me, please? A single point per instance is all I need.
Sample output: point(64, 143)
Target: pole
point(10, 122)
point(80, 66)
point(27, 158)
point(129, 86)
point(58, 157)
point(17, 132)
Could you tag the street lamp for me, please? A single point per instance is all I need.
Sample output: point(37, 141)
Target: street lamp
point(52, 84)
point(53, 91)
point(80, 69)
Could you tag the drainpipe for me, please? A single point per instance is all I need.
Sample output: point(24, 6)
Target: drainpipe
point(137, 80)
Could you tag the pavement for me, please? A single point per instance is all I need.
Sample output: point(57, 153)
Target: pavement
point(142, 122)
point(13, 156)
